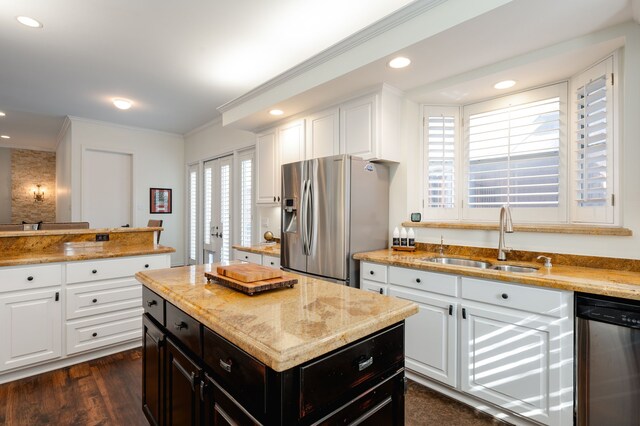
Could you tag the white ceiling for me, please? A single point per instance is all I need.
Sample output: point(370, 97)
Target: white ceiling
point(176, 60)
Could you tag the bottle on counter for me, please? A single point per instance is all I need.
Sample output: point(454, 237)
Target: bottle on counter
point(396, 237)
point(411, 238)
point(403, 237)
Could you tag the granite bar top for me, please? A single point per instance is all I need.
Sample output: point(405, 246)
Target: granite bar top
point(282, 328)
point(267, 249)
point(37, 233)
point(608, 282)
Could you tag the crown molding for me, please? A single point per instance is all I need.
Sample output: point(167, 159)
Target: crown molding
point(211, 123)
point(385, 24)
point(121, 126)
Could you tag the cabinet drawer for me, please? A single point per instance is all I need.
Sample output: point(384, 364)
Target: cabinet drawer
point(29, 277)
point(105, 330)
point(373, 287)
point(424, 280)
point(373, 272)
point(184, 328)
point(153, 305)
point(103, 297)
point(349, 367)
point(530, 299)
point(249, 257)
point(271, 261)
point(243, 376)
point(94, 270)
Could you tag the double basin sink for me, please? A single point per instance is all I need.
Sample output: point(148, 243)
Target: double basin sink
point(456, 261)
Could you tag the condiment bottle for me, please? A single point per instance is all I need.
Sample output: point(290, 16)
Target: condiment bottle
point(403, 237)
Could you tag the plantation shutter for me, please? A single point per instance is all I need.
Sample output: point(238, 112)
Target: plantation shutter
point(193, 214)
point(246, 198)
point(593, 145)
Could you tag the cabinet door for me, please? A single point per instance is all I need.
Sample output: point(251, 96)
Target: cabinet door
point(221, 409)
point(373, 287)
point(153, 341)
point(507, 358)
point(268, 168)
point(323, 134)
point(30, 328)
point(358, 127)
point(431, 336)
point(291, 143)
point(182, 384)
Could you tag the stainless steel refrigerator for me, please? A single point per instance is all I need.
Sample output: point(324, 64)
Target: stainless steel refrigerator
point(333, 207)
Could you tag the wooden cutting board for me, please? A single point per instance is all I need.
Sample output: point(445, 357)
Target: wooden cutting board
point(248, 272)
point(286, 280)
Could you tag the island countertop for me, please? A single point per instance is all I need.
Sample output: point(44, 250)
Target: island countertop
point(281, 328)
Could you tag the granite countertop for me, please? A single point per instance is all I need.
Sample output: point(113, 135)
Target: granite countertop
point(607, 282)
point(39, 233)
point(282, 328)
point(268, 249)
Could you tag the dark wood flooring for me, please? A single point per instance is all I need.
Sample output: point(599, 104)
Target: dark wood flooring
point(107, 391)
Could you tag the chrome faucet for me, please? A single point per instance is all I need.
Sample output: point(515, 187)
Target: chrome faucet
point(441, 246)
point(506, 225)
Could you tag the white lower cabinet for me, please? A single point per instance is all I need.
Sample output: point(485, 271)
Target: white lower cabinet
point(30, 327)
point(259, 259)
point(374, 287)
point(271, 261)
point(508, 344)
point(103, 330)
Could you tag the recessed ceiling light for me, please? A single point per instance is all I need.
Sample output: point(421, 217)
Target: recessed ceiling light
point(122, 103)
point(29, 22)
point(2, 114)
point(399, 62)
point(276, 112)
point(5, 137)
point(504, 84)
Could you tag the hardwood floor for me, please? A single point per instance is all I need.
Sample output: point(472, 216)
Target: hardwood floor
point(107, 391)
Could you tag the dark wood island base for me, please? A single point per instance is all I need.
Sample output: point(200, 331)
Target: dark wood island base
point(193, 376)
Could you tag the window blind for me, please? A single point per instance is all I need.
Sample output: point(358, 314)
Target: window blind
point(246, 201)
point(207, 204)
point(440, 161)
point(193, 223)
point(591, 143)
point(225, 212)
point(513, 155)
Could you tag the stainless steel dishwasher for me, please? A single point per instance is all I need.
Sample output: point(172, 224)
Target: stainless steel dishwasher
point(608, 361)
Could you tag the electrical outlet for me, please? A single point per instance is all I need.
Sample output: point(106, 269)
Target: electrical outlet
point(102, 237)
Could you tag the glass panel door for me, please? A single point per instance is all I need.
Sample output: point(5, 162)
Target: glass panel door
point(217, 210)
point(192, 208)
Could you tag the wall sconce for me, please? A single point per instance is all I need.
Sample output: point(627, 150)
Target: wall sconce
point(38, 194)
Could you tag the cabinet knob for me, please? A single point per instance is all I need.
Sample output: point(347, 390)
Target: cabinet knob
point(95, 271)
point(418, 280)
point(274, 199)
point(95, 334)
point(372, 273)
point(94, 301)
point(151, 303)
point(272, 263)
point(381, 290)
point(180, 325)
point(146, 265)
point(505, 296)
point(29, 278)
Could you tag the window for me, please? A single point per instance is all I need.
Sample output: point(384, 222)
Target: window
point(246, 198)
point(550, 159)
point(192, 189)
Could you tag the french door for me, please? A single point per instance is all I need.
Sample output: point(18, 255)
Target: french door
point(217, 189)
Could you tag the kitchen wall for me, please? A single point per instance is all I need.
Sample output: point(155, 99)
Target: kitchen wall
point(5, 185)
point(406, 193)
point(158, 161)
point(28, 169)
point(63, 174)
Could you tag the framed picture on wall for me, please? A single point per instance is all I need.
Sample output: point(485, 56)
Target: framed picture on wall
point(160, 200)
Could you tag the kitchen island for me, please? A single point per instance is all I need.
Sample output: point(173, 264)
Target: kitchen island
point(315, 353)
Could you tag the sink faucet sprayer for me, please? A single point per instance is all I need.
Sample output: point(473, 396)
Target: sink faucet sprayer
point(506, 225)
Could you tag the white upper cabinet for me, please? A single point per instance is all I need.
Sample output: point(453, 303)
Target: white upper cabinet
point(291, 141)
point(323, 134)
point(267, 164)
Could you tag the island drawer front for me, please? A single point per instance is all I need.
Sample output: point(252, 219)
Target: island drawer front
point(153, 305)
point(105, 330)
point(29, 277)
point(271, 261)
point(94, 270)
point(243, 376)
point(424, 280)
point(103, 297)
point(373, 272)
point(530, 299)
point(349, 367)
point(184, 328)
point(249, 257)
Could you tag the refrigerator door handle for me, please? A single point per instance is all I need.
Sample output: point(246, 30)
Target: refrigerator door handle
point(311, 220)
point(303, 218)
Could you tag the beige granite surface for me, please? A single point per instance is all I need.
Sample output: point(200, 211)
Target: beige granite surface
point(268, 249)
point(609, 282)
point(523, 227)
point(34, 247)
point(282, 328)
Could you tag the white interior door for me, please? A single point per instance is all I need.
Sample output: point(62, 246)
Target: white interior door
point(217, 181)
point(106, 202)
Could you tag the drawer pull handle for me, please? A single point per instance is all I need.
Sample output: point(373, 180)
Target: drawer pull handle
point(450, 310)
point(94, 301)
point(29, 278)
point(95, 334)
point(226, 366)
point(180, 325)
point(372, 273)
point(505, 296)
point(192, 380)
point(464, 313)
point(150, 303)
point(146, 265)
point(418, 280)
point(381, 290)
point(365, 364)
point(272, 263)
point(95, 271)
point(203, 390)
